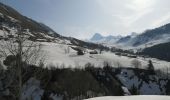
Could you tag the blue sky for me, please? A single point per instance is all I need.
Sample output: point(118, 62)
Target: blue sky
point(83, 18)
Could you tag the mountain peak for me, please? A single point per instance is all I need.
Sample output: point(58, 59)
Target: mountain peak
point(96, 36)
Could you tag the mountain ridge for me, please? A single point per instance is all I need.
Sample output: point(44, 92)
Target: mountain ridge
point(149, 37)
point(98, 38)
point(10, 18)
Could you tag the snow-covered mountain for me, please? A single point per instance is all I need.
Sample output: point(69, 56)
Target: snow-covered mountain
point(53, 44)
point(56, 46)
point(127, 38)
point(98, 38)
point(148, 38)
point(69, 52)
point(10, 19)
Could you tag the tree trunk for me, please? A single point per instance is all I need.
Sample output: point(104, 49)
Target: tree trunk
point(19, 56)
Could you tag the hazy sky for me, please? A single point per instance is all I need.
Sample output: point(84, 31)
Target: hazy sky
point(83, 18)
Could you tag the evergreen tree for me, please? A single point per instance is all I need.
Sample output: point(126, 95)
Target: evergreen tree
point(150, 66)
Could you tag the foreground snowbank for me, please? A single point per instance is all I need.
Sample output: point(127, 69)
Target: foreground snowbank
point(141, 97)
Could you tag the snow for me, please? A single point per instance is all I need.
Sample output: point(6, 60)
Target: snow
point(141, 97)
point(163, 38)
point(45, 35)
point(12, 19)
point(154, 86)
point(128, 78)
point(31, 90)
point(56, 97)
point(28, 32)
point(150, 88)
point(1, 15)
point(2, 33)
point(55, 55)
point(106, 40)
point(126, 91)
point(157, 40)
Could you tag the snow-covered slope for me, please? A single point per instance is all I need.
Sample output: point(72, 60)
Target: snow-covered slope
point(55, 45)
point(147, 38)
point(11, 20)
point(127, 38)
point(55, 54)
point(142, 97)
point(150, 85)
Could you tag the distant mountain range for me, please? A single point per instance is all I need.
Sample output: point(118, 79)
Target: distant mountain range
point(10, 18)
point(98, 38)
point(38, 31)
point(146, 39)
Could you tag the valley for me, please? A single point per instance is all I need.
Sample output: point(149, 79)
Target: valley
point(37, 63)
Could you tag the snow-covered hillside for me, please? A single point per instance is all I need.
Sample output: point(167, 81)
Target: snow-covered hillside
point(151, 85)
point(55, 46)
point(147, 38)
point(142, 40)
point(143, 97)
point(55, 53)
point(129, 44)
point(66, 68)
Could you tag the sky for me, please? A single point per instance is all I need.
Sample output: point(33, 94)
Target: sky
point(83, 18)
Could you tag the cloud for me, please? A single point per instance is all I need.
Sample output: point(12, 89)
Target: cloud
point(128, 12)
point(129, 20)
point(81, 19)
point(127, 16)
point(140, 5)
point(163, 20)
point(118, 17)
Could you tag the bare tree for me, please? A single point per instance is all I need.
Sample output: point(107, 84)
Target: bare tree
point(118, 64)
point(67, 50)
point(136, 63)
point(24, 51)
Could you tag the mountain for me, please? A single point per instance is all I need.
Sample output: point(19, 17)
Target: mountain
point(148, 38)
point(98, 38)
point(127, 38)
point(154, 36)
point(67, 68)
point(160, 51)
point(10, 19)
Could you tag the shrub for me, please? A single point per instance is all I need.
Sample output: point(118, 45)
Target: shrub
point(94, 52)
point(9, 59)
point(80, 52)
point(136, 63)
point(150, 66)
point(134, 90)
